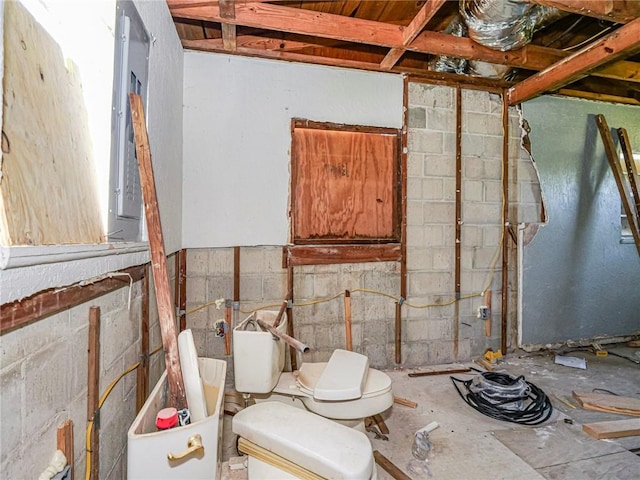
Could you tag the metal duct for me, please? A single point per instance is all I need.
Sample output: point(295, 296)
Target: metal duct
point(457, 28)
point(498, 24)
point(505, 24)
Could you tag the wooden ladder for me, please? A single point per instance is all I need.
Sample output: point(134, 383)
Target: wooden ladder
point(628, 186)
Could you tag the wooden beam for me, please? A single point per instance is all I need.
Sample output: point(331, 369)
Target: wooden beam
point(622, 70)
point(426, 13)
point(329, 254)
point(228, 11)
point(613, 10)
point(296, 20)
point(354, 30)
point(93, 390)
point(166, 314)
point(49, 302)
point(181, 287)
point(624, 41)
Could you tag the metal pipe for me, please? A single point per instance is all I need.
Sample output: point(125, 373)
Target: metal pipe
point(292, 342)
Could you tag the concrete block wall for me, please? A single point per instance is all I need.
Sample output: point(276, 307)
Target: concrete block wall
point(43, 380)
point(428, 333)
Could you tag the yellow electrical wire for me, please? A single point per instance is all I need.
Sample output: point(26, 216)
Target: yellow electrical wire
point(100, 403)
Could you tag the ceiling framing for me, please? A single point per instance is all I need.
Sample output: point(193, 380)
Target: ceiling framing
point(593, 52)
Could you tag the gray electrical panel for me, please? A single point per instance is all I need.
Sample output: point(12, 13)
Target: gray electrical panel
point(130, 75)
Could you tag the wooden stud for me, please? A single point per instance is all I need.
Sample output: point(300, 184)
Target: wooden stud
point(623, 41)
point(458, 224)
point(290, 332)
point(227, 335)
point(181, 287)
point(166, 314)
point(505, 223)
point(49, 302)
point(93, 389)
point(65, 443)
point(347, 319)
point(142, 374)
point(487, 322)
point(236, 274)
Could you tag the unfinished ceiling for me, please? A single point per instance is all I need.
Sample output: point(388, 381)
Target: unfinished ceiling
point(586, 49)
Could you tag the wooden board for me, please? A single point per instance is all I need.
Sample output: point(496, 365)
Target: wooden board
point(48, 192)
point(608, 403)
point(344, 183)
point(166, 313)
point(613, 429)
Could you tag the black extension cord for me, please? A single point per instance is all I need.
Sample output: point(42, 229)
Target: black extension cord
point(536, 406)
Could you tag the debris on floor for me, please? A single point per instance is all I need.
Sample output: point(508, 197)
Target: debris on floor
point(574, 362)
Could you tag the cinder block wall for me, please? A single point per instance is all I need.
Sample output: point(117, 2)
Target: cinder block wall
point(43, 380)
point(428, 333)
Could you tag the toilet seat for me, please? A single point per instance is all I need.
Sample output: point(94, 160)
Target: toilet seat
point(377, 395)
point(341, 378)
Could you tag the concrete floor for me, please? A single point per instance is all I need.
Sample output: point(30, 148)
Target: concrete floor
point(469, 445)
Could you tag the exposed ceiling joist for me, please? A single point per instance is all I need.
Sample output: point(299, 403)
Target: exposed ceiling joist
point(358, 34)
point(304, 22)
point(426, 13)
point(623, 41)
point(619, 11)
point(228, 11)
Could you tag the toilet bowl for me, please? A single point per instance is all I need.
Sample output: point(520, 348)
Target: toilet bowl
point(345, 388)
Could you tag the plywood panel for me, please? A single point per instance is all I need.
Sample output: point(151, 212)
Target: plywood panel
point(47, 192)
point(344, 185)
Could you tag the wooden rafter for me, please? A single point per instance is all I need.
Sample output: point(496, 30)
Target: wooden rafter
point(355, 30)
point(619, 11)
point(305, 22)
point(624, 41)
point(417, 74)
point(426, 13)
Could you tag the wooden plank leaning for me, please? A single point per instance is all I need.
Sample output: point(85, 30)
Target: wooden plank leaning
point(614, 162)
point(166, 314)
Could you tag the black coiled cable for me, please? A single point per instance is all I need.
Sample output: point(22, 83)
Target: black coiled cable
point(536, 406)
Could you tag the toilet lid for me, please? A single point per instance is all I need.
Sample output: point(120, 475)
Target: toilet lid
point(376, 382)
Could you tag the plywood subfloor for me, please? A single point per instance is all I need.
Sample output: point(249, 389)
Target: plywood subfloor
point(470, 446)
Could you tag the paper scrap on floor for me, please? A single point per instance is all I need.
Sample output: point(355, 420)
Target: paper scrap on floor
point(574, 362)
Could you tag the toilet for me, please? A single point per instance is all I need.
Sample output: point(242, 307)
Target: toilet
point(344, 389)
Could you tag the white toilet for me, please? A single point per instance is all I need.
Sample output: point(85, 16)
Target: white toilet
point(313, 441)
point(344, 389)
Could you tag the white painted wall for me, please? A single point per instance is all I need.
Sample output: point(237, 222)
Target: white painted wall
point(164, 123)
point(164, 116)
point(237, 120)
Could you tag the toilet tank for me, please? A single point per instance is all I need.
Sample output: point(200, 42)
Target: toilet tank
point(258, 358)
